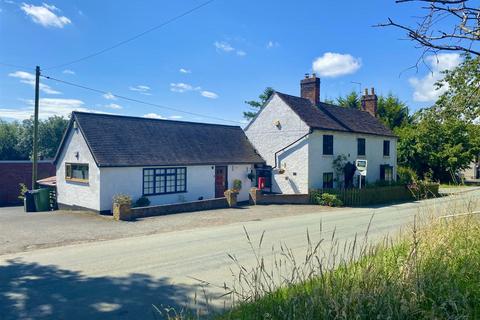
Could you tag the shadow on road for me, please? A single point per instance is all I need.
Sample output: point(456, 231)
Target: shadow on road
point(34, 291)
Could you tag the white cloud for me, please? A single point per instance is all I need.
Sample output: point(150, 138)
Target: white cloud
point(181, 87)
point(113, 106)
point(142, 89)
point(209, 94)
point(153, 116)
point(223, 46)
point(241, 53)
point(29, 78)
point(47, 108)
point(109, 96)
point(336, 64)
point(424, 88)
point(272, 44)
point(183, 70)
point(45, 15)
point(68, 71)
point(175, 117)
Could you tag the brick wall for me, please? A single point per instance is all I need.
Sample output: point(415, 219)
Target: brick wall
point(257, 197)
point(12, 173)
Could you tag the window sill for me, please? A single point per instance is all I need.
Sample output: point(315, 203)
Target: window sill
point(81, 181)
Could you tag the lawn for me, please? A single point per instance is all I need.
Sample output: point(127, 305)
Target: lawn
point(432, 272)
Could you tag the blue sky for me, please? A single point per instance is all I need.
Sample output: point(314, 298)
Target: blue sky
point(208, 62)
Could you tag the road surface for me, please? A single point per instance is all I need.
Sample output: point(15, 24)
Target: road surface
point(122, 278)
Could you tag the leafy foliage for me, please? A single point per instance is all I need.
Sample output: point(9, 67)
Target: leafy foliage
point(328, 199)
point(122, 199)
point(255, 106)
point(142, 202)
point(16, 138)
point(237, 185)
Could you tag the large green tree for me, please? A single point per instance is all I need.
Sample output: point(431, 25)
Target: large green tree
point(256, 105)
point(16, 138)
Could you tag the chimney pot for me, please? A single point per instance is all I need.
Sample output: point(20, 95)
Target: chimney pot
point(366, 91)
point(307, 75)
point(373, 90)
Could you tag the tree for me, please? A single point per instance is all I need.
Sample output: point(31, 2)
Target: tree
point(351, 100)
point(16, 138)
point(255, 106)
point(392, 112)
point(447, 25)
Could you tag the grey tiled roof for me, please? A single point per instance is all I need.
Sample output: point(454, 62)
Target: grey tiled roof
point(330, 117)
point(133, 141)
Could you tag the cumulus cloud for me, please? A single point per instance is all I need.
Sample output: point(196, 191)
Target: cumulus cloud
point(209, 94)
point(333, 64)
point(113, 106)
point(109, 96)
point(424, 89)
point(223, 46)
point(153, 115)
point(142, 89)
point(29, 78)
point(68, 71)
point(183, 70)
point(48, 107)
point(45, 15)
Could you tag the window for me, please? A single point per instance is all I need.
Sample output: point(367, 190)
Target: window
point(386, 148)
point(327, 144)
point(328, 180)
point(386, 173)
point(361, 146)
point(76, 172)
point(164, 180)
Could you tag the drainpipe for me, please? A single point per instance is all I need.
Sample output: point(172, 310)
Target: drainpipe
point(288, 146)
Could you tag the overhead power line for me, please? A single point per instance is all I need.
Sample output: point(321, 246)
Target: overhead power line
point(139, 101)
point(132, 38)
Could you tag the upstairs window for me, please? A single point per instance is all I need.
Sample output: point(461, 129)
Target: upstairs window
point(164, 180)
point(386, 148)
point(327, 144)
point(328, 180)
point(77, 172)
point(361, 146)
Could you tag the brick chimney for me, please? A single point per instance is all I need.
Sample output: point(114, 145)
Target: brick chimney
point(370, 102)
point(310, 88)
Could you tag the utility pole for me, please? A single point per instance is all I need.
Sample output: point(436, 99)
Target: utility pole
point(35, 129)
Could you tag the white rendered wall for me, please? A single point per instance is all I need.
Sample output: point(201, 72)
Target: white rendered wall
point(267, 138)
point(240, 172)
point(129, 180)
point(76, 193)
point(346, 144)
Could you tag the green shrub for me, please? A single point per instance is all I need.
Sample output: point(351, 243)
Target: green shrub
point(142, 202)
point(237, 185)
point(23, 190)
point(406, 175)
point(122, 199)
point(328, 199)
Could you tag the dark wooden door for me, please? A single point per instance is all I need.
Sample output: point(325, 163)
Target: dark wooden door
point(220, 181)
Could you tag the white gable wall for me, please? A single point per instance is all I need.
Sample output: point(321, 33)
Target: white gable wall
point(76, 193)
point(346, 144)
point(268, 138)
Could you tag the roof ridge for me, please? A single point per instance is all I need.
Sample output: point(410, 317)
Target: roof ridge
point(153, 119)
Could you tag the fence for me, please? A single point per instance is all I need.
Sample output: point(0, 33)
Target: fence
point(378, 195)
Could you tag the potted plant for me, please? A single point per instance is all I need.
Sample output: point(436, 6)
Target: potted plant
point(122, 207)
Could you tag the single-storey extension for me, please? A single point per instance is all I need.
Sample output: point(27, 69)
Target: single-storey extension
point(166, 161)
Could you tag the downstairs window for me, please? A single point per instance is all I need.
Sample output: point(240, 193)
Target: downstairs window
point(76, 172)
point(164, 181)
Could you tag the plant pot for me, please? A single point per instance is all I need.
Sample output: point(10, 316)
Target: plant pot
point(122, 211)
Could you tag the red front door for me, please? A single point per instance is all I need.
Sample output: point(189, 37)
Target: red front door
point(220, 181)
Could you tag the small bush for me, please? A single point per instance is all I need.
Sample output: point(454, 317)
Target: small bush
point(328, 199)
point(237, 185)
point(406, 175)
point(142, 202)
point(122, 199)
point(23, 190)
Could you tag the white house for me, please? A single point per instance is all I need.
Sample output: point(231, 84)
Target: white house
point(167, 161)
point(300, 137)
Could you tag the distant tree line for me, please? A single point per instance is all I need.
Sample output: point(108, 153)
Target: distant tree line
point(16, 138)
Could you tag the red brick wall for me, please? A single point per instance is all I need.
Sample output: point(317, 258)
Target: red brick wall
point(12, 173)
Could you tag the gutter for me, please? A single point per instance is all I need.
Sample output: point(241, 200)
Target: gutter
point(288, 146)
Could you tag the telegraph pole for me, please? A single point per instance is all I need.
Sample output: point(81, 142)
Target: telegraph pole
point(35, 129)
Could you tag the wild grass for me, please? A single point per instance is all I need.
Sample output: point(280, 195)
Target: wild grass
point(430, 271)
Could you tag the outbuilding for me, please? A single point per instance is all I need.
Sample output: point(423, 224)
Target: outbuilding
point(166, 161)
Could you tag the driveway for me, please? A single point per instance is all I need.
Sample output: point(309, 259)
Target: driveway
point(122, 278)
point(20, 231)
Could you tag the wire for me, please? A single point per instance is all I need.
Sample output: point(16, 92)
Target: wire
point(139, 101)
point(132, 38)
